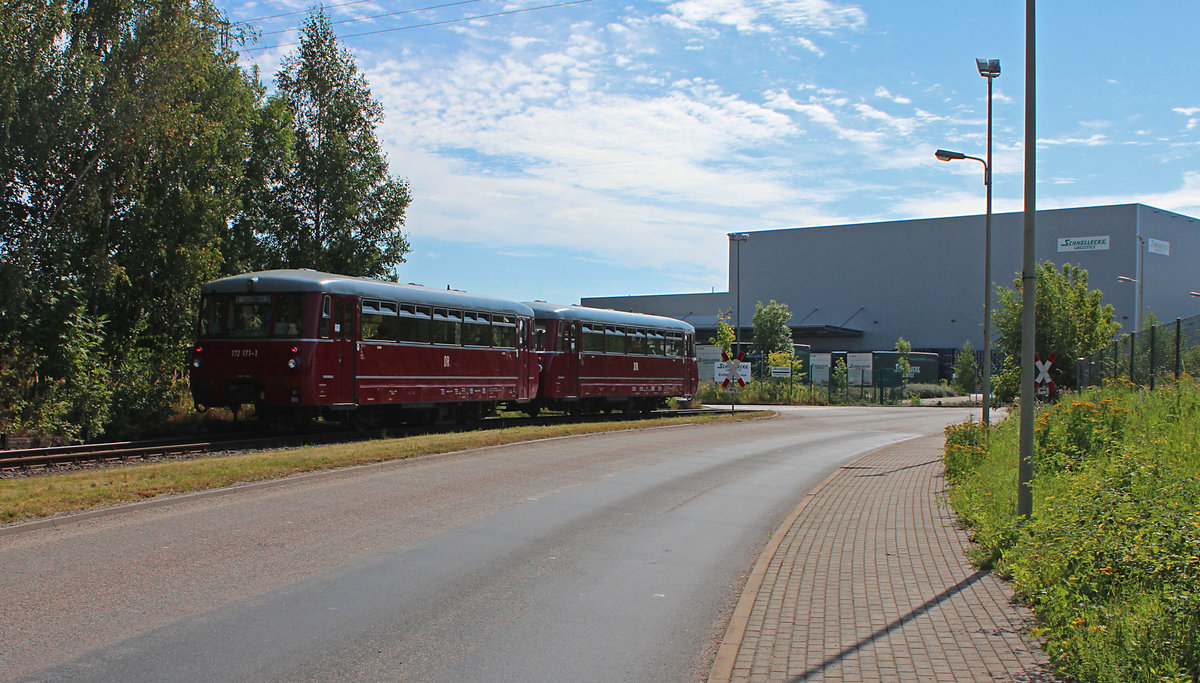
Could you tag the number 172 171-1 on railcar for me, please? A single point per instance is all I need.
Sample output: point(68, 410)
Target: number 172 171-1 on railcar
point(301, 343)
point(595, 359)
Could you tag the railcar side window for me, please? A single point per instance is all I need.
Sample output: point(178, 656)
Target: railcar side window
point(614, 339)
point(212, 316)
point(637, 342)
point(289, 315)
point(378, 320)
point(325, 308)
point(414, 323)
point(539, 336)
point(593, 338)
point(656, 342)
point(674, 344)
point(249, 315)
point(504, 331)
point(477, 329)
point(446, 326)
point(566, 339)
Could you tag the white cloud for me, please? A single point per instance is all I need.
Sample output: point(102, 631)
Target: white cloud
point(766, 16)
point(1191, 113)
point(884, 93)
point(1093, 141)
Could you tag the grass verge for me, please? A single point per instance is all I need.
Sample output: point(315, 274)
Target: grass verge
point(1110, 559)
point(42, 496)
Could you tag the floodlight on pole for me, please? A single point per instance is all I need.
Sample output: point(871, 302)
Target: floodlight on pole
point(948, 155)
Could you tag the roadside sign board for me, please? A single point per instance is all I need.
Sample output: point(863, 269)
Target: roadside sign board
point(781, 371)
point(858, 369)
point(820, 367)
point(720, 371)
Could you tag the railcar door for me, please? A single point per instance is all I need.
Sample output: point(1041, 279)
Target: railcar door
point(570, 347)
point(527, 360)
point(344, 336)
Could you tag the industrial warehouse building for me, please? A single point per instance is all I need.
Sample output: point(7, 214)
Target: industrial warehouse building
point(860, 287)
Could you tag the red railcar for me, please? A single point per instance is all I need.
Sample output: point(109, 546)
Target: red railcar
point(303, 343)
point(595, 359)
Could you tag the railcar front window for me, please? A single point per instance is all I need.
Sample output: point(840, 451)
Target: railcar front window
point(212, 316)
point(249, 315)
point(289, 315)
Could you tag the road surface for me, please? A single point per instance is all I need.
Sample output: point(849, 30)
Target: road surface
point(607, 557)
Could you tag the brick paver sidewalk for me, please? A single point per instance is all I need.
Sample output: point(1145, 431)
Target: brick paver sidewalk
point(869, 582)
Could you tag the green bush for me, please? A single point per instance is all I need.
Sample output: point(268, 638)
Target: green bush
point(928, 391)
point(1110, 559)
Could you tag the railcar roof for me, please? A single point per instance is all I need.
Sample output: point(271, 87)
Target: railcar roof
point(269, 281)
point(542, 309)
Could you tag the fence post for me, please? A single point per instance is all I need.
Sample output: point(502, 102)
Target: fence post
point(1152, 366)
point(1133, 357)
point(1178, 349)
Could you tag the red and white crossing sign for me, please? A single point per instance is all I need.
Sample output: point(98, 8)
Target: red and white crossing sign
point(728, 371)
point(1041, 380)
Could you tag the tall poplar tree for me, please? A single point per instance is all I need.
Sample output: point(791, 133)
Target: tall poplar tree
point(122, 136)
point(338, 209)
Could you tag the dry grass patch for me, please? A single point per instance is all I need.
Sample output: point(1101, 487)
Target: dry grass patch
point(43, 496)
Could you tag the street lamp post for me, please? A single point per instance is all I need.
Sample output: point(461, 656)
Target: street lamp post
point(946, 155)
point(989, 69)
point(737, 238)
point(1137, 313)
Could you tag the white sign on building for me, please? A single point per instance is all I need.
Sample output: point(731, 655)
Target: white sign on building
point(858, 369)
point(820, 362)
point(1096, 243)
point(1158, 247)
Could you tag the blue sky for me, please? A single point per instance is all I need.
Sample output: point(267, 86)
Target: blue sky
point(607, 147)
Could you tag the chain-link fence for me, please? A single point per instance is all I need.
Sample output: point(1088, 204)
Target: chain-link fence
point(1145, 357)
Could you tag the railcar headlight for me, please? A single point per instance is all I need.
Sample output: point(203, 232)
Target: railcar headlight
point(292, 363)
point(195, 362)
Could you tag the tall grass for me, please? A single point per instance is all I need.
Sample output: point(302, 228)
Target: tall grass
point(1110, 559)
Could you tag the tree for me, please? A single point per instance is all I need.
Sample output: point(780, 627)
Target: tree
point(903, 348)
point(966, 372)
point(725, 335)
point(1070, 321)
point(771, 332)
point(337, 209)
point(122, 126)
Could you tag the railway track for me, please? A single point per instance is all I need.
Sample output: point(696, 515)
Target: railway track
point(33, 460)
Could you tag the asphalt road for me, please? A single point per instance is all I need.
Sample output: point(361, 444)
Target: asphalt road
point(609, 557)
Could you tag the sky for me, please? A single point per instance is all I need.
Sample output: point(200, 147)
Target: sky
point(606, 148)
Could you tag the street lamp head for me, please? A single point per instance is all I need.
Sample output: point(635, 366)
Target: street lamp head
point(988, 68)
point(947, 155)
point(1125, 278)
point(1193, 293)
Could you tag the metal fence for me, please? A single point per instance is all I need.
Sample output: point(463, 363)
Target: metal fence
point(1146, 357)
